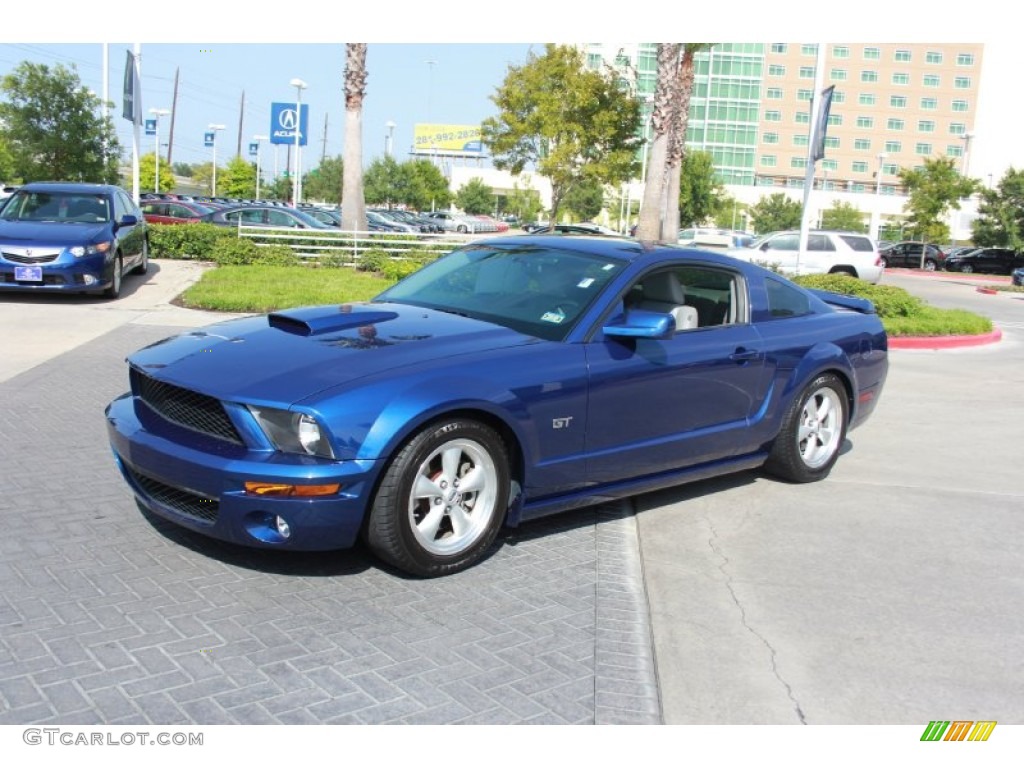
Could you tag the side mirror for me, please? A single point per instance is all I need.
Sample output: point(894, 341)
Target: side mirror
point(128, 220)
point(641, 324)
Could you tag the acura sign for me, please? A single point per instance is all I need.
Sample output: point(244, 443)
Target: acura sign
point(284, 122)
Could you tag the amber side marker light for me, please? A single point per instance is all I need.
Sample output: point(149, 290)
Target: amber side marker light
point(285, 489)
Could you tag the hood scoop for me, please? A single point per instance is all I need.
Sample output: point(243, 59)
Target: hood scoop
point(313, 321)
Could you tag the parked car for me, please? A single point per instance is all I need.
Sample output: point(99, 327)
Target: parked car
point(1017, 278)
point(329, 216)
point(263, 216)
point(1002, 261)
point(173, 212)
point(580, 228)
point(828, 252)
point(71, 238)
point(703, 237)
point(908, 254)
point(453, 222)
point(514, 378)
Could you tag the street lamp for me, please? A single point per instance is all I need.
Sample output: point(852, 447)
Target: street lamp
point(967, 150)
point(876, 214)
point(159, 113)
point(430, 88)
point(215, 127)
point(389, 138)
point(299, 85)
point(259, 153)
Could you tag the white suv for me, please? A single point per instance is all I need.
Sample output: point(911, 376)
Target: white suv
point(827, 252)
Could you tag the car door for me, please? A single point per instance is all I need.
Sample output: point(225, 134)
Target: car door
point(130, 236)
point(660, 404)
point(780, 250)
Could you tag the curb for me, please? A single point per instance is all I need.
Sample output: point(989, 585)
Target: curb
point(944, 342)
point(986, 291)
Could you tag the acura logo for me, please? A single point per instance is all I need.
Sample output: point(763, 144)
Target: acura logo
point(288, 120)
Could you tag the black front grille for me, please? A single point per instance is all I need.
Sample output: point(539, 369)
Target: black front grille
point(200, 413)
point(35, 258)
point(185, 502)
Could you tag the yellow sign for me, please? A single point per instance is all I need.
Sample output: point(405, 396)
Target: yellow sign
point(447, 139)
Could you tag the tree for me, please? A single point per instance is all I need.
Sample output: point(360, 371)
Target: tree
point(1000, 221)
point(932, 192)
point(202, 176)
point(475, 197)
point(776, 212)
point(183, 169)
point(427, 187)
point(7, 173)
point(585, 200)
point(353, 211)
point(843, 217)
point(277, 189)
point(524, 202)
point(385, 182)
point(147, 174)
point(571, 123)
point(238, 179)
point(327, 181)
point(652, 210)
point(53, 126)
point(699, 189)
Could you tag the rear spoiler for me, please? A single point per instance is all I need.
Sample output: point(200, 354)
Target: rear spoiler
point(853, 303)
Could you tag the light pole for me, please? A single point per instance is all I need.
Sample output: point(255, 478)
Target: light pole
point(159, 113)
point(215, 127)
point(299, 85)
point(430, 88)
point(967, 152)
point(259, 152)
point(876, 213)
point(389, 138)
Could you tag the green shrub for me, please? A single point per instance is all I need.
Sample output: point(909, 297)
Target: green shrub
point(334, 258)
point(932, 321)
point(241, 251)
point(373, 260)
point(889, 300)
point(396, 269)
point(186, 241)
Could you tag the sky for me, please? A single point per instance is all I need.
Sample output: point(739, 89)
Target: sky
point(262, 48)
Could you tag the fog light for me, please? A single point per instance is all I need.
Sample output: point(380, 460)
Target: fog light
point(89, 280)
point(282, 527)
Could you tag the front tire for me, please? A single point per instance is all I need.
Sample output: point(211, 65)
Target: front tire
point(442, 500)
point(966, 269)
point(115, 282)
point(143, 266)
point(812, 432)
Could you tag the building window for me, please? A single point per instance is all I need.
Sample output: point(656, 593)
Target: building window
point(933, 57)
point(776, 70)
point(962, 82)
point(957, 129)
point(835, 119)
point(954, 150)
point(898, 102)
point(773, 93)
point(900, 78)
point(768, 161)
point(803, 117)
point(807, 73)
point(931, 81)
point(929, 102)
point(829, 165)
point(869, 76)
point(838, 74)
point(778, 47)
point(798, 162)
point(772, 116)
point(890, 169)
point(895, 124)
point(804, 94)
point(859, 166)
point(840, 52)
point(856, 187)
point(959, 105)
point(809, 50)
point(872, 54)
point(862, 144)
point(770, 138)
point(594, 61)
point(832, 142)
point(865, 122)
point(926, 126)
point(838, 97)
point(923, 148)
point(965, 60)
point(799, 139)
point(892, 147)
point(867, 99)
point(902, 55)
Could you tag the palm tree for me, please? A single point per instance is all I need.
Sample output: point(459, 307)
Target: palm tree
point(353, 203)
point(649, 226)
point(681, 92)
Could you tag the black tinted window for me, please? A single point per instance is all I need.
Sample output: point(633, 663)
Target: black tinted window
point(784, 300)
point(858, 243)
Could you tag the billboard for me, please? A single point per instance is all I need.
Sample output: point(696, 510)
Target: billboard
point(447, 139)
point(284, 121)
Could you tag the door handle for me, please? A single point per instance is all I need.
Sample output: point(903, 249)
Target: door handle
point(743, 355)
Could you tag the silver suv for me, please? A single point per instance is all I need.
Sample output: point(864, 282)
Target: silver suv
point(828, 252)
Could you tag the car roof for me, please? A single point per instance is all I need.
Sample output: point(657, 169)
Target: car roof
point(68, 186)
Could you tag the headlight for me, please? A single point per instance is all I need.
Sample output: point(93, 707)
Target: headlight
point(88, 250)
point(293, 432)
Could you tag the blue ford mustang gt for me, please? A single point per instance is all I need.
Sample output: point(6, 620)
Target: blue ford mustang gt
point(514, 378)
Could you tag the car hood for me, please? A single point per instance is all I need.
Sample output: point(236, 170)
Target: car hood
point(288, 356)
point(53, 233)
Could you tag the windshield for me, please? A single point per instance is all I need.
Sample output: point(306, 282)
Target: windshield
point(538, 291)
point(57, 207)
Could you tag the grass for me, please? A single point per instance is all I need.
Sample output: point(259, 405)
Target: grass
point(266, 288)
point(259, 288)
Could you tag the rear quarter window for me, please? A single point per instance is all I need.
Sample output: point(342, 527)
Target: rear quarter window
point(857, 243)
point(786, 301)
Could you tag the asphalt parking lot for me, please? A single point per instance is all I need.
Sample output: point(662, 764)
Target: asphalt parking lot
point(889, 593)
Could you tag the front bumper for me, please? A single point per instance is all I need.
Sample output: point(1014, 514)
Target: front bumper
point(64, 274)
point(203, 490)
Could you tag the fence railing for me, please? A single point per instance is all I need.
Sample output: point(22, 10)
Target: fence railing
point(312, 244)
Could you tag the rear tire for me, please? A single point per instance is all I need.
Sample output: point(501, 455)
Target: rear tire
point(930, 266)
point(812, 432)
point(843, 271)
point(442, 500)
point(967, 269)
